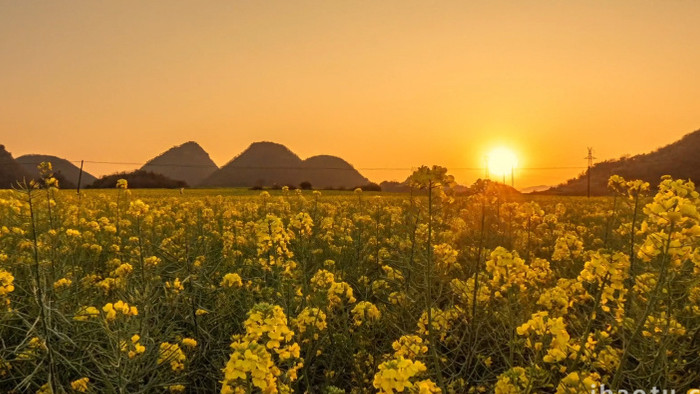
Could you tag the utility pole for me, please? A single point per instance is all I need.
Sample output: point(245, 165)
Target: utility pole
point(80, 176)
point(590, 164)
point(512, 176)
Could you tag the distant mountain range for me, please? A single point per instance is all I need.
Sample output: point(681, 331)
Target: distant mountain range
point(531, 189)
point(263, 164)
point(187, 162)
point(268, 164)
point(10, 170)
point(65, 171)
point(680, 159)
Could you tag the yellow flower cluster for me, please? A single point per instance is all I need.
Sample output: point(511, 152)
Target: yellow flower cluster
point(62, 283)
point(303, 223)
point(365, 312)
point(576, 383)
point(397, 375)
point(151, 261)
point(441, 322)
point(5, 367)
point(80, 385)
point(409, 346)
point(609, 273)
point(132, 348)
point(310, 319)
point(85, 313)
point(138, 208)
point(324, 280)
point(122, 184)
point(175, 285)
point(189, 342)
point(512, 381)
point(172, 354)
point(266, 320)
point(567, 247)
point(509, 271)
point(123, 270)
point(266, 330)
point(250, 358)
point(72, 233)
point(231, 280)
point(111, 310)
point(544, 328)
point(273, 244)
point(445, 256)
point(556, 300)
point(661, 326)
point(630, 188)
point(35, 346)
point(392, 273)
point(6, 286)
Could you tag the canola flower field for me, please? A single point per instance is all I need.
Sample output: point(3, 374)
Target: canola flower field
point(140, 291)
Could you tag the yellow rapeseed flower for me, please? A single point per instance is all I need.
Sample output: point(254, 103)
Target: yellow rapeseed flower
point(80, 385)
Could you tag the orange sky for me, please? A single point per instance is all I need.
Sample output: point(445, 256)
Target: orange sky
point(380, 83)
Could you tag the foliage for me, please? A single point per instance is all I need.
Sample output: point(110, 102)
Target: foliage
point(138, 179)
point(299, 291)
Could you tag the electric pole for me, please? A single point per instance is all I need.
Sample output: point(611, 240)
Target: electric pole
point(80, 176)
point(590, 164)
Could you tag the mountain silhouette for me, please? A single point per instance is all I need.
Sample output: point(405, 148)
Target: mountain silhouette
point(268, 163)
point(187, 162)
point(10, 170)
point(65, 171)
point(331, 172)
point(680, 159)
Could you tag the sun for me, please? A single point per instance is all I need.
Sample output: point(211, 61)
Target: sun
point(501, 162)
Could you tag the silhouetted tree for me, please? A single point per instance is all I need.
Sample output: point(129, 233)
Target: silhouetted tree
point(138, 179)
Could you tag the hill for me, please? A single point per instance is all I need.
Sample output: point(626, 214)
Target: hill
point(65, 171)
point(10, 170)
point(680, 159)
point(136, 180)
point(269, 163)
point(331, 172)
point(187, 162)
point(489, 187)
point(532, 189)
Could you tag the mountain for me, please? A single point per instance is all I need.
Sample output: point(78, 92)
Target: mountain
point(680, 159)
point(531, 189)
point(187, 162)
point(262, 164)
point(10, 170)
point(65, 171)
point(331, 172)
point(136, 180)
point(269, 163)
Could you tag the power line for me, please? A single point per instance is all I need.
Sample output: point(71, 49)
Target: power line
point(301, 168)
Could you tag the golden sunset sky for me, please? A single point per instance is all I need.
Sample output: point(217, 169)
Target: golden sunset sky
point(382, 84)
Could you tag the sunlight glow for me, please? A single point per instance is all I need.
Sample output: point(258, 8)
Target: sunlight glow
point(501, 161)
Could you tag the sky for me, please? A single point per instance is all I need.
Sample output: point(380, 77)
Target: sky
point(386, 85)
